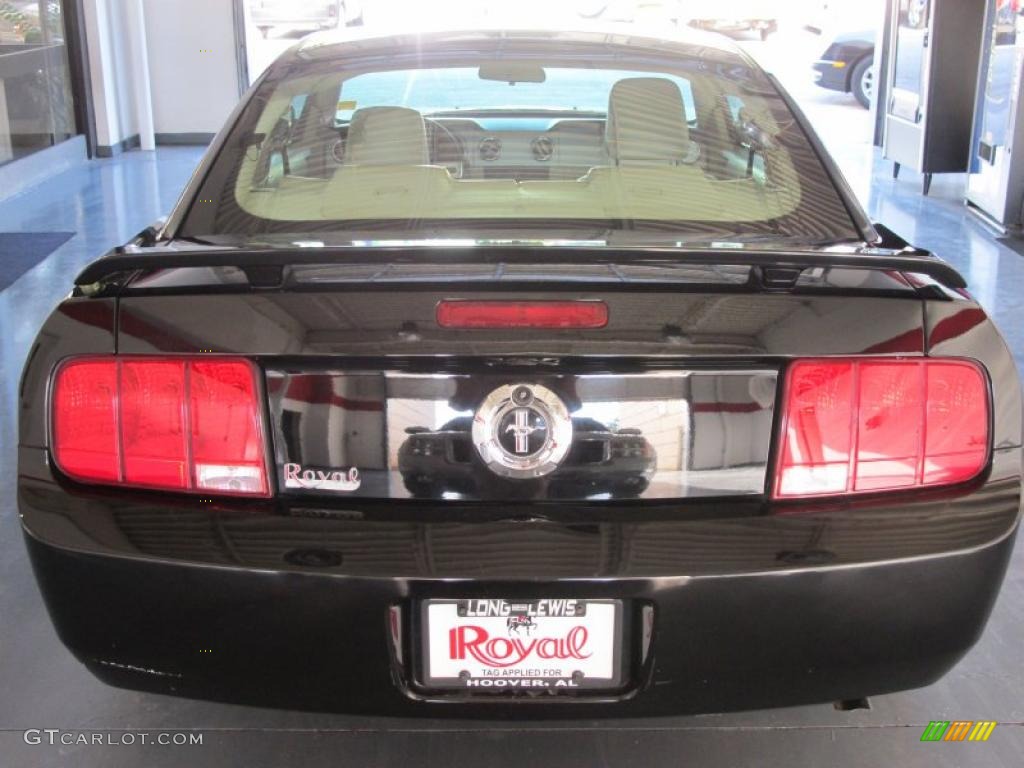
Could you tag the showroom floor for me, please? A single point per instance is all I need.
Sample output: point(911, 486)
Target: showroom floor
point(105, 202)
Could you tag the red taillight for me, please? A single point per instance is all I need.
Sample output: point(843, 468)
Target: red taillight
point(182, 424)
point(860, 425)
point(522, 314)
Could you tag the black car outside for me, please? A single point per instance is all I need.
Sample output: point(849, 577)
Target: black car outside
point(848, 65)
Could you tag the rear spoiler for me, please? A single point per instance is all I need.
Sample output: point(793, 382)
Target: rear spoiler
point(265, 268)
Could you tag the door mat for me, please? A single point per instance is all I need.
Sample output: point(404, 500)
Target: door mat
point(20, 251)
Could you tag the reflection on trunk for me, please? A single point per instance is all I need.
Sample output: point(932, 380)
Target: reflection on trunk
point(659, 435)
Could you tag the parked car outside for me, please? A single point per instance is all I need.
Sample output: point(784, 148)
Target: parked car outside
point(308, 15)
point(643, 11)
point(848, 65)
point(733, 17)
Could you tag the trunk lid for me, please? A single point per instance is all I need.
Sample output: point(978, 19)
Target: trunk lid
point(369, 397)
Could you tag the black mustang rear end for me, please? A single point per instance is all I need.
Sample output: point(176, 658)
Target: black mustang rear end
point(425, 404)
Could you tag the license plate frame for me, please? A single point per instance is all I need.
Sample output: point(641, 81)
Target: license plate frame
point(554, 628)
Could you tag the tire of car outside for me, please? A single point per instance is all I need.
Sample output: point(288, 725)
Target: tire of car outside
point(862, 70)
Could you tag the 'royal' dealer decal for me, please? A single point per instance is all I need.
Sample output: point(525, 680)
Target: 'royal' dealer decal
point(321, 479)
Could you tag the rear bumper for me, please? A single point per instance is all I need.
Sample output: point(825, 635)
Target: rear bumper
point(828, 76)
point(324, 643)
point(292, 607)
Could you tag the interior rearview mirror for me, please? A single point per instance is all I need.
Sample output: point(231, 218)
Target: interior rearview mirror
point(512, 72)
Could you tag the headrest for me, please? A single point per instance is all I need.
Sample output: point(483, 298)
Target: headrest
point(386, 136)
point(647, 123)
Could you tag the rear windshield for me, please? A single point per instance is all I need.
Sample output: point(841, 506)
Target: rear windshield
point(528, 148)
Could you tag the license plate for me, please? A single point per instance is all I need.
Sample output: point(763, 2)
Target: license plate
point(509, 645)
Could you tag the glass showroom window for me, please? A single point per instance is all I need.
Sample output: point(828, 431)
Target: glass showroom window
point(36, 108)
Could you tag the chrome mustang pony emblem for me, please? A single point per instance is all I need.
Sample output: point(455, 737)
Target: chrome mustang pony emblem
point(522, 431)
point(522, 428)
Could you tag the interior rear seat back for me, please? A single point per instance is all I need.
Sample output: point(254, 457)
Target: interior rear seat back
point(647, 124)
point(387, 136)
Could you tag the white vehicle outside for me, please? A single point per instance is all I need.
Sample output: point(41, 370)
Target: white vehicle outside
point(305, 14)
point(733, 16)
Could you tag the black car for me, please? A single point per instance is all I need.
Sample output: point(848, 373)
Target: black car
point(563, 245)
point(848, 65)
point(601, 461)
